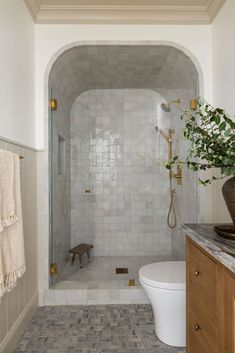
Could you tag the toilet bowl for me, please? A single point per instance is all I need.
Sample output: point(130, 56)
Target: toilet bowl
point(165, 286)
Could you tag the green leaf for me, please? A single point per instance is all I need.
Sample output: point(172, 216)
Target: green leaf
point(219, 110)
point(222, 126)
point(228, 132)
point(217, 119)
point(228, 161)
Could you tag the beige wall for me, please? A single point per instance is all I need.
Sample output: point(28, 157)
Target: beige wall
point(17, 73)
point(17, 306)
point(17, 123)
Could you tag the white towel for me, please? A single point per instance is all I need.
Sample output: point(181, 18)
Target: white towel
point(7, 193)
point(12, 256)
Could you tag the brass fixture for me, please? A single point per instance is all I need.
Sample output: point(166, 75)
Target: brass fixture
point(131, 282)
point(21, 157)
point(87, 191)
point(53, 104)
point(193, 104)
point(166, 107)
point(53, 269)
point(169, 140)
point(178, 175)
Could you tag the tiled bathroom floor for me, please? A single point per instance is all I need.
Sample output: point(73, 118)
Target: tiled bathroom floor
point(100, 272)
point(93, 329)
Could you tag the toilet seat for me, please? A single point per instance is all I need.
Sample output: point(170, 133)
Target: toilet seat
point(166, 275)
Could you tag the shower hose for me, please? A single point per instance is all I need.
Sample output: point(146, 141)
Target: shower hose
point(171, 217)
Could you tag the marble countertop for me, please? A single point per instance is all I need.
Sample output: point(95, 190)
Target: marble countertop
point(221, 249)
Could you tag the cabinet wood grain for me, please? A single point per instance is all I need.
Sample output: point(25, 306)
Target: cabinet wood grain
point(210, 303)
point(228, 313)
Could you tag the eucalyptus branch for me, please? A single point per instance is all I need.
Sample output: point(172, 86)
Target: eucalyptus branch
point(212, 135)
point(172, 162)
point(186, 112)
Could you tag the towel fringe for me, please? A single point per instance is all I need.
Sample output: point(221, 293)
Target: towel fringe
point(7, 221)
point(10, 280)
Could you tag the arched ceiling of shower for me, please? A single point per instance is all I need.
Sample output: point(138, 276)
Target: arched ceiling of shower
point(153, 67)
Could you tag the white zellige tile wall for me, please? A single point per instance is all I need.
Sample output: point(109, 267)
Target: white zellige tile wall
point(116, 153)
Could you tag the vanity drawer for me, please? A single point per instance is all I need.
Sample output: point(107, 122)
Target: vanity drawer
point(202, 332)
point(202, 277)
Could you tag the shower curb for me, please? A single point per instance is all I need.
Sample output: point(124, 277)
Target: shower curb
point(95, 296)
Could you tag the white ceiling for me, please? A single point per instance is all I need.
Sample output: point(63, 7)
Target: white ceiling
point(125, 11)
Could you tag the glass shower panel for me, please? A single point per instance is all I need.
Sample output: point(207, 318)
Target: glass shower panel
point(59, 174)
point(52, 260)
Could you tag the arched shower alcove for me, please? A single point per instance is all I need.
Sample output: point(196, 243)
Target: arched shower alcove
point(108, 186)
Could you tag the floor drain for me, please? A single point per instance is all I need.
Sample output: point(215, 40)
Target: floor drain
point(120, 270)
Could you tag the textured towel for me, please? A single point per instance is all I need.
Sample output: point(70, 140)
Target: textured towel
point(12, 257)
point(7, 192)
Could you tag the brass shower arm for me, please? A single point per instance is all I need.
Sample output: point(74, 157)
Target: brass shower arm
point(175, 101)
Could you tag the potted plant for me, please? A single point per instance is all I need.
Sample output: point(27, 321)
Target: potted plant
point(211, 133)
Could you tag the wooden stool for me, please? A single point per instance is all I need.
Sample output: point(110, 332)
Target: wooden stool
point(80, 250)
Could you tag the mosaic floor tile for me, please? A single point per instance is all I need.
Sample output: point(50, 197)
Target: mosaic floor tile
point(93, 329)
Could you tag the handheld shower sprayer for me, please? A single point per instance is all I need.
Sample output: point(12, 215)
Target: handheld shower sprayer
point(171, 217)
point(166, 107)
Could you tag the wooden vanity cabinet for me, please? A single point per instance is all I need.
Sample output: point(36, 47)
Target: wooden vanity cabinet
point(210, 303)
point(228, 314)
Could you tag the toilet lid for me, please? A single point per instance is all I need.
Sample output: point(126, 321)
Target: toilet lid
point(166, 275)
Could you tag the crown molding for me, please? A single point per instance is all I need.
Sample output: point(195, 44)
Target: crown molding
point(33, 7)
point(214, 8)
point(123, 14)
point(108, 14)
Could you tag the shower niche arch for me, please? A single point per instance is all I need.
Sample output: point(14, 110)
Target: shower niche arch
point(107, 183)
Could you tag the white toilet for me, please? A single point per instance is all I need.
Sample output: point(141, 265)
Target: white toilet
point(165, 286)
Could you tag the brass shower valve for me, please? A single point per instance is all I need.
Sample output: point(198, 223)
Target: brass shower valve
point(178, 175)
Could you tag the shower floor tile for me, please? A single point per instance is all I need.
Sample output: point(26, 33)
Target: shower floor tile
point(100, 273)
point(93, 329)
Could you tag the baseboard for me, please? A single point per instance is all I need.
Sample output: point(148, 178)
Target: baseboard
point(14, 335)
point(40, 299)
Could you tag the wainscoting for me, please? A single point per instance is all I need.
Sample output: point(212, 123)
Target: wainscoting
point(17, 307)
